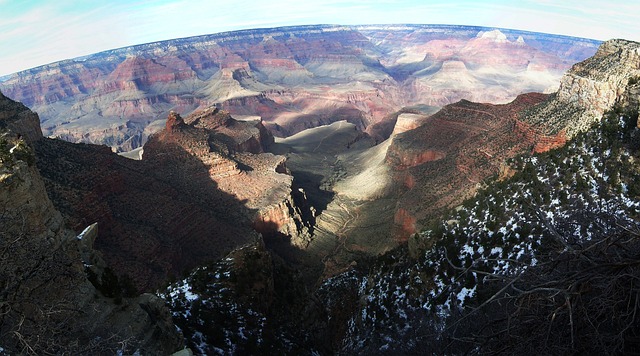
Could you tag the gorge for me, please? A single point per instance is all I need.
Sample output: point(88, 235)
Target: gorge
point(293, 171)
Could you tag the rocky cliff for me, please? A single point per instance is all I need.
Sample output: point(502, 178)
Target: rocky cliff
point(18, 119)
point(590, 88)
point(486, 135)
point(197, 193)
point(233, 153)
point(295, 78)
point(49, 301)
point(444, 160)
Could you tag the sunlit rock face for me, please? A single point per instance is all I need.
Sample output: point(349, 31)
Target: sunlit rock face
point(294, 78)
point(592, 87)
point(443, 161)
point(475, 139)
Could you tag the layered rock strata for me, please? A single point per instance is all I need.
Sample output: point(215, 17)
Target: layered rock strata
point(590, 88)
point(233, 152)
point(443, 161)
point(294, 78)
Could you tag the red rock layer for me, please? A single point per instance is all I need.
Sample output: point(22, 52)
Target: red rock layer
point(194, 196)
point(542, 142)
point(323, 74)
point(442, 162)
point(401, 160)
point(404, 225)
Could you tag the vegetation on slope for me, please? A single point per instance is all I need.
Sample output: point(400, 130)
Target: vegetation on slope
point(544, 261)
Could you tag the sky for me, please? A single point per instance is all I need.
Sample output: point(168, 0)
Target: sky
point(34, 33)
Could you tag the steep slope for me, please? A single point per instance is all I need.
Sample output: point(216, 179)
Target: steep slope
point(54, 291)
point(198, 193)
point(590, 88)
point(522, 252)
point(233, 152)
point(586, 91)
point(443, 161)
point(294, 77)
point(543, 261)
point(366, 200)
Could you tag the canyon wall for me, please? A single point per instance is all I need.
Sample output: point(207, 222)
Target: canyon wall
point(476, 139)
point(202, 188)
point(444, 160)
point(50, 304)
point(590, 88)
point(294, 78)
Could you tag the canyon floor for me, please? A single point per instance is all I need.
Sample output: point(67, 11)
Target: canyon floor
point(350, 224)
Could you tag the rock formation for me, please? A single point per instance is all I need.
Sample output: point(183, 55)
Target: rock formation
point(444, 161)
point(294, 78)
point(198, 193)
point(233, 152)
point(49, 301)
point(370, 199)
point(18, 119)
point(468, 142)
point(590, 88)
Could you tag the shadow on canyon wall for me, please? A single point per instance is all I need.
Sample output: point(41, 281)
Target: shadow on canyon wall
point(155, 220)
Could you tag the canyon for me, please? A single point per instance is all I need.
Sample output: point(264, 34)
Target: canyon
point(294, 78)
point(353, 182)
point(56, 291)
point(278, 164)
point(204, 187)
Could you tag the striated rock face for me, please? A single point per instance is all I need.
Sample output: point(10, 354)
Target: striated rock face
point(440, 163)
point(370, 199)
point(590, 88)
point(407, 158)
point(541, 142)
point(232, 152)
point(406, 122)
point(294, 78)
point(48, 303)
point(239, 136)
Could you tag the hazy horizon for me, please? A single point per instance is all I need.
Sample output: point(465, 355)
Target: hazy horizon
point(35, 33)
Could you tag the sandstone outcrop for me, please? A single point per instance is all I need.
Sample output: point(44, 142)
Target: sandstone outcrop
point(590, 88)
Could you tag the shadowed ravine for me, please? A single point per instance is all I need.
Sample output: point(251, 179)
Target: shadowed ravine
point(346, 229)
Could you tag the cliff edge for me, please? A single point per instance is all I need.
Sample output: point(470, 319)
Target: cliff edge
point(48, 302)
point(591, 87)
